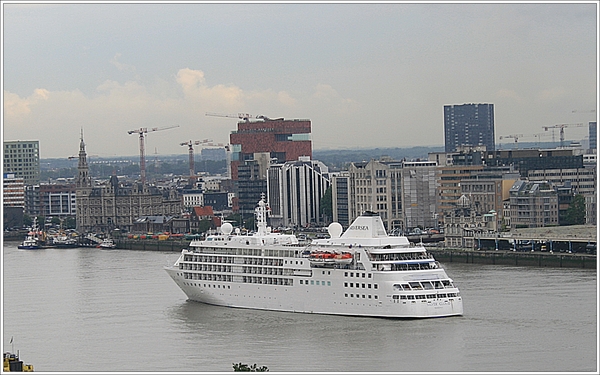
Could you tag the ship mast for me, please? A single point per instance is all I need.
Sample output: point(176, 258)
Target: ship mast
point(260, 214)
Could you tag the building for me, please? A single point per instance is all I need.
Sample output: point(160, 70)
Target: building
point(13, 191)
point(377, 186)
point(13, 199)
point(340, 198)
point(117, 206)
point(403, 193)
point(533, 204)
point(283, 140)
point(251, 184)
point(528, 159)
point(294, 192)
point(449, 178)
point(22, 158)
point(419, 194)
point(593, 136)
point(254, 146)
point(487, 190)
point(469, 125)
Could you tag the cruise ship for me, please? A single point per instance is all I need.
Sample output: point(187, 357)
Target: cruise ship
point(359, 272)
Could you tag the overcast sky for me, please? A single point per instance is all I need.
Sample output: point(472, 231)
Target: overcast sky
point(366, 75)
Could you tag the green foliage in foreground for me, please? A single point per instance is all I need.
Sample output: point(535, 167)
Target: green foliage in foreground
point(244, 367)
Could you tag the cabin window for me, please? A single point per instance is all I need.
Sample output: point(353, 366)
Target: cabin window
point(329, 283)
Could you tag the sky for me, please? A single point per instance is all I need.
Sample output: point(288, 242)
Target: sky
point(366, 75)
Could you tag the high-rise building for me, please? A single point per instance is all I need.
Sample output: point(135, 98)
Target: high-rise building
point(284, 140)
point(469, 125)
point(13, 191)
point(22, 158)
point(340, 198)
point(295, 190)
point(593, 135)
point(255, 145)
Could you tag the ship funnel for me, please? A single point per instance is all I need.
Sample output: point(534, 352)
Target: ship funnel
point(368, 225)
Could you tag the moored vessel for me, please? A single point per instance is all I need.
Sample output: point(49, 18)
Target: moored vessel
point(361, 272)
point(13, 363)
point(35, 239)
point(107, 243)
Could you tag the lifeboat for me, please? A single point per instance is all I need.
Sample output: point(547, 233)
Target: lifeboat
point(344, 258)
point(321, 257)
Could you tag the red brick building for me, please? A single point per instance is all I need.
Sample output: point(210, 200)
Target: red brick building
point(284, 140)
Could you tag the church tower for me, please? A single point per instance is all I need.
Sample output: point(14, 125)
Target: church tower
point(83, 172)
point(83, 188)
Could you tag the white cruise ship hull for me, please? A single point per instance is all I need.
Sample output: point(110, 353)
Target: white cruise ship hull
point(362, 272)
point(328, 297)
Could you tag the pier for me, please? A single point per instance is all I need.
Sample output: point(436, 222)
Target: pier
point(515, 258)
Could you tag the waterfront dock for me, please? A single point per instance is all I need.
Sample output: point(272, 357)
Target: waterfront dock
point(515, 258)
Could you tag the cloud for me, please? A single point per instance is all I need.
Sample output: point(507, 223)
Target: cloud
point(121, 66)
point(16, 108)
point(326, 95)
point(114, 108)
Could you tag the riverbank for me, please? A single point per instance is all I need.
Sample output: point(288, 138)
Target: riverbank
point(512, 258)
point(515, 258)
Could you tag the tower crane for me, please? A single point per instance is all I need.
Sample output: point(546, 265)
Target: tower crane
point(242, 116)
point(578, 111)
point(562, 130)
point(539, 136)
point(191, 144)
point(141, 132)
point(515, 136)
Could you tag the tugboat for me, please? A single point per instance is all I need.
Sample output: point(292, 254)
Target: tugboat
point(36, 239)
point(13, 363)
point(107, 243)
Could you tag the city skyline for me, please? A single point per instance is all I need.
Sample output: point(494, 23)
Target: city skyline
point(112, 68)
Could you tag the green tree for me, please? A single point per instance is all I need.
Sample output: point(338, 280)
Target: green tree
point(244, 367)
point(576, 212)
point(326, 206)
point(204, 225)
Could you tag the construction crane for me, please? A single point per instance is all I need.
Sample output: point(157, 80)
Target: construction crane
point(578, 111)
point(539, 136)
point(191, 144)
point(242, 116)
point(141, 132)
point(515, 136)
point(562, 130)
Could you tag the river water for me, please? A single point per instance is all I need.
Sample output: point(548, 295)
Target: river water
point(92, 310)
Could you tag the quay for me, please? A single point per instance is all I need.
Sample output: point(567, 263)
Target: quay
point(500, 257)
point(515, 258)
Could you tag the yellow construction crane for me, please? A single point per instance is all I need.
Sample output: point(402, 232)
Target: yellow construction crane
point(562, 130)
point(515, 136)
point(141, 132)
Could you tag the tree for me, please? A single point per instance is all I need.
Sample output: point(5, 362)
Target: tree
point(326, 206)
point(244, 367)
point(576, 212)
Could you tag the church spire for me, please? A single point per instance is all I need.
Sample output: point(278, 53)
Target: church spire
point(83, 178)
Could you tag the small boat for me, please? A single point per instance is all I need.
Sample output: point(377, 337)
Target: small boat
point(62, 240)
point(107, 243)
point(35, 239)
point(13, 363)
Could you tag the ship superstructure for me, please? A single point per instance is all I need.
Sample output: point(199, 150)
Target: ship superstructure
point(361, 272)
